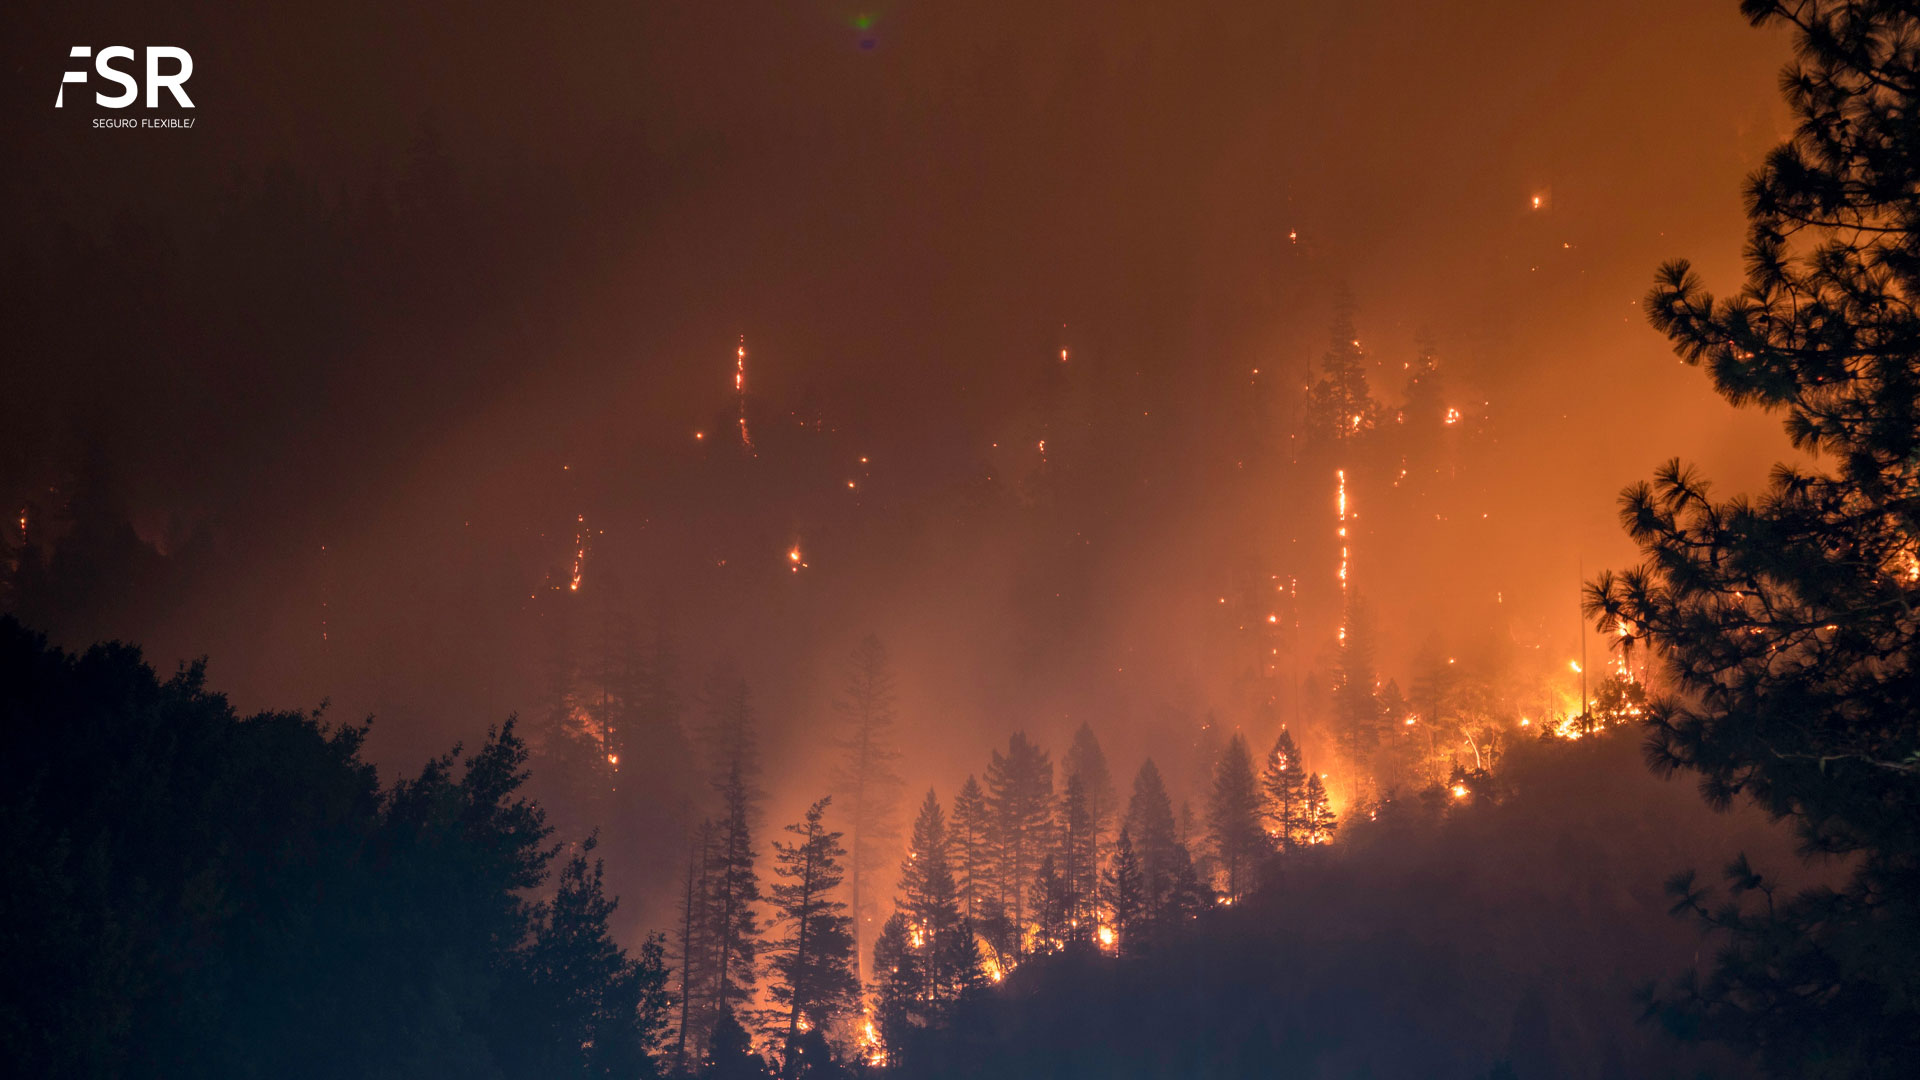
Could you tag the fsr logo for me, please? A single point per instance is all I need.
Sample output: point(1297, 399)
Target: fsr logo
point(174, 80)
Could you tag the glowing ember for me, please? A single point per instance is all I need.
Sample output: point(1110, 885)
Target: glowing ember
point(579, 554)
point(740, 389)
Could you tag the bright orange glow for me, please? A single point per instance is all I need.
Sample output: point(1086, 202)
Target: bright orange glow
point(579, 554)
point(740, 389)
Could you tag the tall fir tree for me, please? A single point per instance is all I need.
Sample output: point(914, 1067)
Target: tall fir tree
point(972, 850)
point(1126, 892)
point(1357, 712)
point(1340, 404)
point(865, 776)
point(946, 956)
point(1079, 862)
point(1233, 821)
point(897, 984)
point(1170, 890)
point(1317, 819)
point(813, 969)
point(733, 893)
point(696, 954)
point(1283, 783)
point(1088, 763)
point(572, 961)
point(1786, 622)
point(1020, 794)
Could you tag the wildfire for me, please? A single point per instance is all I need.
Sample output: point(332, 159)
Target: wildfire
point(740, 389)
point(872, 1050)
point(1452, 417)
point(795, 562)
point(990, 963)
point(579, 554)
point(1340, 504)
point(1106, 936)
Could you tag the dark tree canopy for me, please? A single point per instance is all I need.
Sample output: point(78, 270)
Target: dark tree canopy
point(1788, 620)
point(194, 893)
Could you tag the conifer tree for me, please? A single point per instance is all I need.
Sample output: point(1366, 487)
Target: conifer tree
point(1317, 820)
point(1079, 865)
point(1786, 622)
point(1340, 404)
point(940, 939)
point(734, 885)
point(897, 986)
point(1020, 795)
point(1086, 762)
point(1233, 820)
point(1169, 888)
point(572, 961)
point(1126, 892)
point(813, 966)
point(1424, 394)
point(696, 950)
point(1356, 705)
point(1284, 785)
point(973, 857)
point(1053, 908)
point(865, 775)
point(730, 1053)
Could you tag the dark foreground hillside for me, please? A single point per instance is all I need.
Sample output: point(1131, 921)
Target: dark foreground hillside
point(1503, 939)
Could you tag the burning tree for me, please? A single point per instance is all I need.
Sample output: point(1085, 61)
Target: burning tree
point(940, 941)
point(1788, 622)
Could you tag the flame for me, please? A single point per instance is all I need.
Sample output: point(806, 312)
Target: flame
point(1340, 504)
point(579, 554)
point(740, 389)
point(872, 1050)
